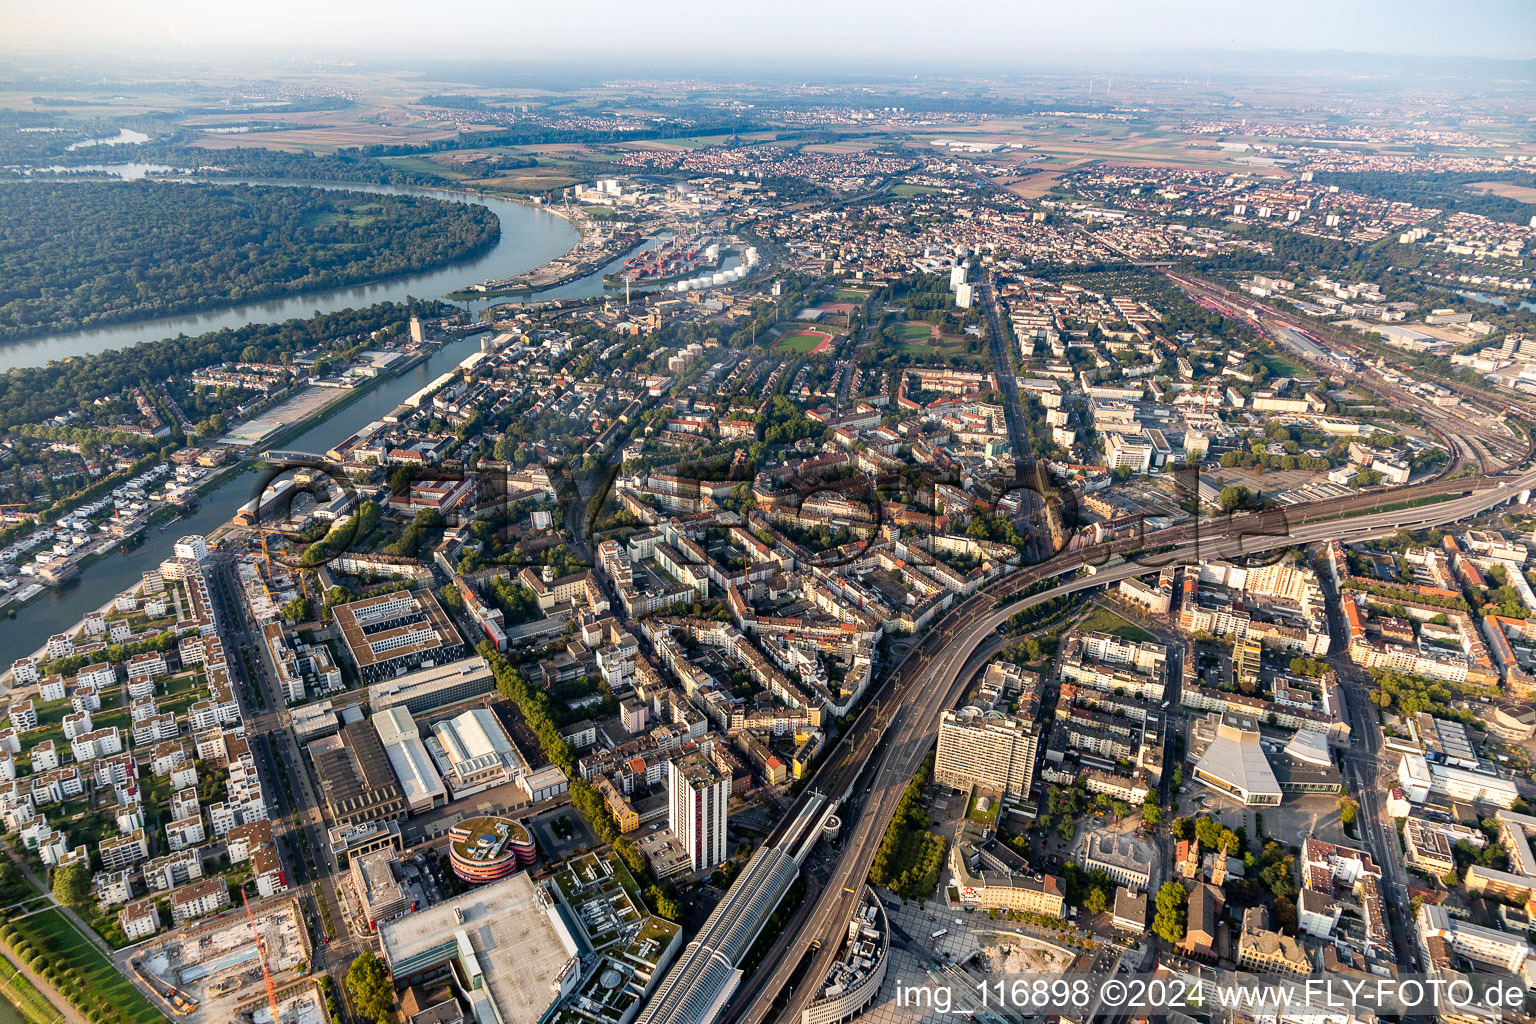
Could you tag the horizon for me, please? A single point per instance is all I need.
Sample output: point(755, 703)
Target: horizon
point(1107, 31)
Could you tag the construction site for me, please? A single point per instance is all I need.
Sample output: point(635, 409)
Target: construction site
point(230, 970)
point(302, 1003)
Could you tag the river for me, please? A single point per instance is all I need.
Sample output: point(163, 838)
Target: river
point(530, 237)
point(1493, 300)
point(124, 137)
point(60, 608)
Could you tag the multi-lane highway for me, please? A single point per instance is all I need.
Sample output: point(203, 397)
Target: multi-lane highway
point(1362, 778)
point(930, 677)
point(926, 683)
point(298, 824)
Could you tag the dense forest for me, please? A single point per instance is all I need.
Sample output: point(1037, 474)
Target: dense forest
point(34, 394)
point(1454, 191)
point(79, 255)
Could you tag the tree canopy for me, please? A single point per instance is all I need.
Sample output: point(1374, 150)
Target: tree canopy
point(72, 884)
point(369, 984)
point(1172, 908)
point(138, 249)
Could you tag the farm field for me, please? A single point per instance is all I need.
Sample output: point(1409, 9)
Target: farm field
point(1507, 190)
point(520, 182)
point(322, 139)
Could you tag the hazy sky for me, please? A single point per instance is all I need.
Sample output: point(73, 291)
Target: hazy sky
point(671, 28)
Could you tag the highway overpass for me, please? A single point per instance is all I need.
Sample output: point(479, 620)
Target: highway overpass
point(700, 988)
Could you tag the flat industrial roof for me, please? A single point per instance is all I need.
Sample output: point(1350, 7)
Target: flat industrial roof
point(408, 757)
point(519, 939)
point(351, 763)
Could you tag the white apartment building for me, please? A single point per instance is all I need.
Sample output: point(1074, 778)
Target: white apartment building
point(988, 750)
point(697, 795)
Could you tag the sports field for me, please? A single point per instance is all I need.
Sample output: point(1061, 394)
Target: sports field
point(802, 341)
point(946, 346)
point(912, 332)
point(1279, 366)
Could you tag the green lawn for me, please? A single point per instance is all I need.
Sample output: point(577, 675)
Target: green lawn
point(946, 346)
point(52, 935)
point(800, 342)
point(905, 190)
point(1103, 620)
point(1279, 366)
point(987, 817)
point(850, 295)
point(911, 332)
point(23, 995)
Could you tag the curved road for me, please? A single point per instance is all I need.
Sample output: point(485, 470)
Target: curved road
point(927, 681)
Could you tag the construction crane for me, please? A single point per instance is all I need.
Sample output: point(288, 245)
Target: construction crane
point(261, 950)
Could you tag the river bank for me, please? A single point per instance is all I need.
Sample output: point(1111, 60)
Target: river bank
point(531, 236)
point(209, 299)
point(163, 516)
point(59, 609)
